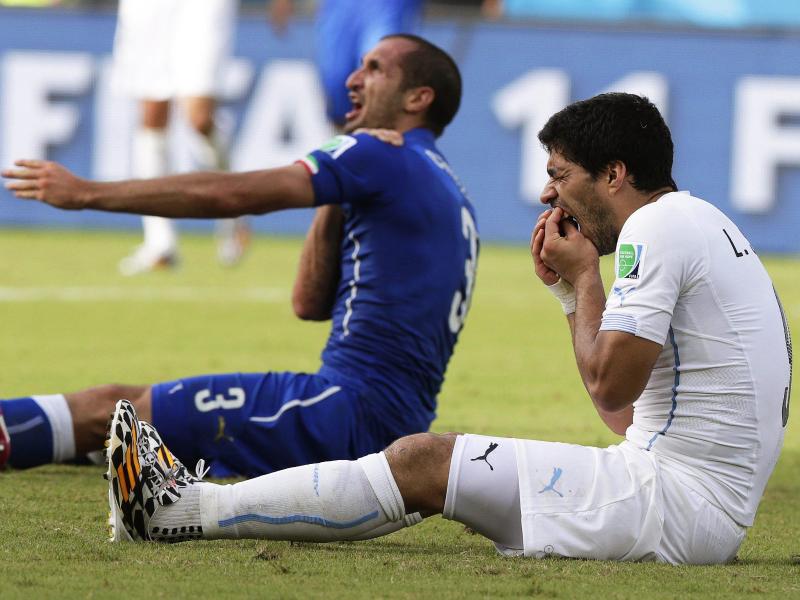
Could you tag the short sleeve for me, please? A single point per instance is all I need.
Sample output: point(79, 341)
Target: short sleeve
point(657, 257)
point(350, 169)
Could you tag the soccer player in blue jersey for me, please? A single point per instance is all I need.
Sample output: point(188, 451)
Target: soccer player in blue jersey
point(390, 258)
point(345, 31)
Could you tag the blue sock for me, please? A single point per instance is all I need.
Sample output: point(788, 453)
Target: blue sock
point(30, 432)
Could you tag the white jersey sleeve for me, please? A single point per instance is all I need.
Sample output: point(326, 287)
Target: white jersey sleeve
point(658, 256)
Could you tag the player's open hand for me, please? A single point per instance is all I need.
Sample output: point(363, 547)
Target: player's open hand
point(47, 182)
point(389, 136)
point(543, 272)
point(565, 249)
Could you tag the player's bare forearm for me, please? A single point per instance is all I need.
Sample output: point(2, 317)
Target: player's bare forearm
point(614, 365)
point(320, 266)
point(584, 326)
point(194, 195)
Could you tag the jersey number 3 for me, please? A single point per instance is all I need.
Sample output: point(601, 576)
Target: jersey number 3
point(461, 300)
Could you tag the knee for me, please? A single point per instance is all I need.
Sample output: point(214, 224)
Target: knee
point(421, 448)
point(200, 116)
point(111, 393)
point(420, 465)
point(155, 114)
point(94, 405)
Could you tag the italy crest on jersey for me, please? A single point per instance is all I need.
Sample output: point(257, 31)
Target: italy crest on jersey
point(629, 260)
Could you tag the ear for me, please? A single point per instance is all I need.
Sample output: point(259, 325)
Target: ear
point(417, 100)
point(616, 172)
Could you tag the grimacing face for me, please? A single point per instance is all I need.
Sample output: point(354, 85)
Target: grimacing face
point(376, 86)
point(581, 197)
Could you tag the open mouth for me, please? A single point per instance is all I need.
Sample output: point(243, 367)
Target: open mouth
point(574, 221)
point(355, 111)
point(567, 217)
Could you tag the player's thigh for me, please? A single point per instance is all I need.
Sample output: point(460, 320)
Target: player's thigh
point(483, 489)
point(254, 423)
point(583, 502)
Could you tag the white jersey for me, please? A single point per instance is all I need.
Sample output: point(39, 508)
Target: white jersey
point(716, 404)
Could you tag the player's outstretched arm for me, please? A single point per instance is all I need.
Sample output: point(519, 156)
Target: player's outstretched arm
point(320, 266)
point(194, 195)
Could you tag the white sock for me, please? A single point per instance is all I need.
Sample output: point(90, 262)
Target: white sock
point(150, 160)
point(331, 501)
point(57, 412)
point(208, 152)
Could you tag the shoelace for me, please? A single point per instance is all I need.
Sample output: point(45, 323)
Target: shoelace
point(169, 479)
point(201, 470)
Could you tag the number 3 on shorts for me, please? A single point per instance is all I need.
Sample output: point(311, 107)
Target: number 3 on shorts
point(205, 403)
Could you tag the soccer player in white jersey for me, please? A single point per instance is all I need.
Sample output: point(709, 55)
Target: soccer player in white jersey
point(167, 50)
point(689, 357)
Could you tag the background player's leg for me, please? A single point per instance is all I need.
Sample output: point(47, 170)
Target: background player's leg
point(209, 153)
point(58, 428)
point(150, 159)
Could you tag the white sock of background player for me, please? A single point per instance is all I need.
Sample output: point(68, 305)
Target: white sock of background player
point(150, 160)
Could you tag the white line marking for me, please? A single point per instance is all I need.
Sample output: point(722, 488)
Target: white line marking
point(353, 285)
point(142, 294)
point(292, 403)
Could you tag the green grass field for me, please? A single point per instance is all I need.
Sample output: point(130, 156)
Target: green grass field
point(69, 321)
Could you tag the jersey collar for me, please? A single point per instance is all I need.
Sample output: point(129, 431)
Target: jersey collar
point(420, 135)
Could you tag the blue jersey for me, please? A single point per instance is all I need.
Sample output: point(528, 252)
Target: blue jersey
point(408, 261)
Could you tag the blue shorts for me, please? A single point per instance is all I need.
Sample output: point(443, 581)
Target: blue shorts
point(255, 423)
point(346, 30)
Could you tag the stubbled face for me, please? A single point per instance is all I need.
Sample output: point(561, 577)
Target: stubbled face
point(375, 87)
point(572, 188)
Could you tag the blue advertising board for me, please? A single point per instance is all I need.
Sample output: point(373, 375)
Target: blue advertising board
point(732, 100)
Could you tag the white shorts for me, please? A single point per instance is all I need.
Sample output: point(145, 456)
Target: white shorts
point(172, 48)
point(615, 503)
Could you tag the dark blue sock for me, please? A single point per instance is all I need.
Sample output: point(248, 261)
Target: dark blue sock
point(30, 432)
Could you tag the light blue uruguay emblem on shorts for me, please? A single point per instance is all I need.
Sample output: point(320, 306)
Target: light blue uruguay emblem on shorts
point(630, 260)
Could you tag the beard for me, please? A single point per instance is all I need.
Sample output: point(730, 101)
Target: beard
point(597, 224)
point(379, 115)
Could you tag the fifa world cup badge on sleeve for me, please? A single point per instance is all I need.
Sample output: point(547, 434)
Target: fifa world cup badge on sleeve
point(338, 145)
point(630, 260)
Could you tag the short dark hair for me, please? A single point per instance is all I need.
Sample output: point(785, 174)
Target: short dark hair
point(428, 65)
point(594, 133)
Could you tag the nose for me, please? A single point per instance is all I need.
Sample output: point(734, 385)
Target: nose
point(549, 194)
point(355, 79)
